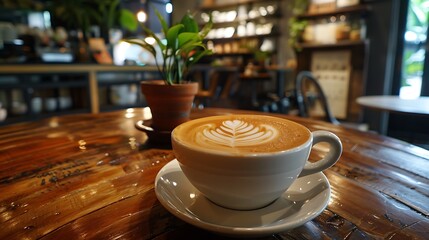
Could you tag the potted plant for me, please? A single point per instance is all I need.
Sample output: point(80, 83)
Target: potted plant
point(170, 99)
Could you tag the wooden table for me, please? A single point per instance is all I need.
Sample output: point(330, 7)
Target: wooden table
point(396, 105)
point(418, 106)
point(91, 176)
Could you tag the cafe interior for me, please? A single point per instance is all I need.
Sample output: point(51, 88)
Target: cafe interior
point(82, 158)
point(352, 48)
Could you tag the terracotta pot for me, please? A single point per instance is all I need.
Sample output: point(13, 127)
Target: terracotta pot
point(170, 104)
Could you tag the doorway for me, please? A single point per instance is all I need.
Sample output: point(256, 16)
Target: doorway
point(411, 76)
point(414, 65)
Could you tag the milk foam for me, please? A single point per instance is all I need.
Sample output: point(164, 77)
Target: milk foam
point(241, 134)
point(236, 133)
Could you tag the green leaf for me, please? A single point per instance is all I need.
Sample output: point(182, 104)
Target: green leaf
point(197, 56)
point(189, 47)
point(162, 21)
point(172, 36)
point(190, 24)
point(149, 33)
point(182, 47)
point(128, 20)
point(187, 37)
point(207, 27)
point(144, 45)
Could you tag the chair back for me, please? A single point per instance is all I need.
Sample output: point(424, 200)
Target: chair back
point(220, 85)
point(304, 80)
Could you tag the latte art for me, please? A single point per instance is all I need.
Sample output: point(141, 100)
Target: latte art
point(241, 134)
point(235, 133)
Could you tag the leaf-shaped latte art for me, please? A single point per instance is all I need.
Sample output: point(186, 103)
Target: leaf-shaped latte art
point(237, 133)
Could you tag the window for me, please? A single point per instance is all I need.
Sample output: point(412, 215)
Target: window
point(414, 52)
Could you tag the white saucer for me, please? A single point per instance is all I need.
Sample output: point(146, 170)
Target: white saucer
point(304, 200)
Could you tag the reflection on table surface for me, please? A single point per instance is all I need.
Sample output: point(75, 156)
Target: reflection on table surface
point(92, 176)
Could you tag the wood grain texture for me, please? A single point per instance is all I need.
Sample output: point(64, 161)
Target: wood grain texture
point(91, 176)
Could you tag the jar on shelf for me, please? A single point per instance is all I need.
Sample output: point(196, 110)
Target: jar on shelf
point(343, 28)
point(358, 29)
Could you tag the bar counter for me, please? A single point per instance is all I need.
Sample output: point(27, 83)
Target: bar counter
point(91, 176)
point(91, 70)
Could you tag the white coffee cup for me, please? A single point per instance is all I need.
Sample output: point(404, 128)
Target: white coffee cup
point(246, 162)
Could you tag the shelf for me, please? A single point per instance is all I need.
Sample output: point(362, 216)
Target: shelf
point(232, 54)
point(239, 49)
point(271, 17)
point(344, 10)
point(44, 85)
point(344, 43)
point(232, 4)
point(347, 58)
point(243, 37)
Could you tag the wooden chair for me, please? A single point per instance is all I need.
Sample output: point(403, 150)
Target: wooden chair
point(221, 82)
point(304, 80)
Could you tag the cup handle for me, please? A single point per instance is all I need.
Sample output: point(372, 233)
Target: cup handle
point(335, 150)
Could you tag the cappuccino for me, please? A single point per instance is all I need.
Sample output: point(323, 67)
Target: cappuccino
point(241, 134)
point(247, 161)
